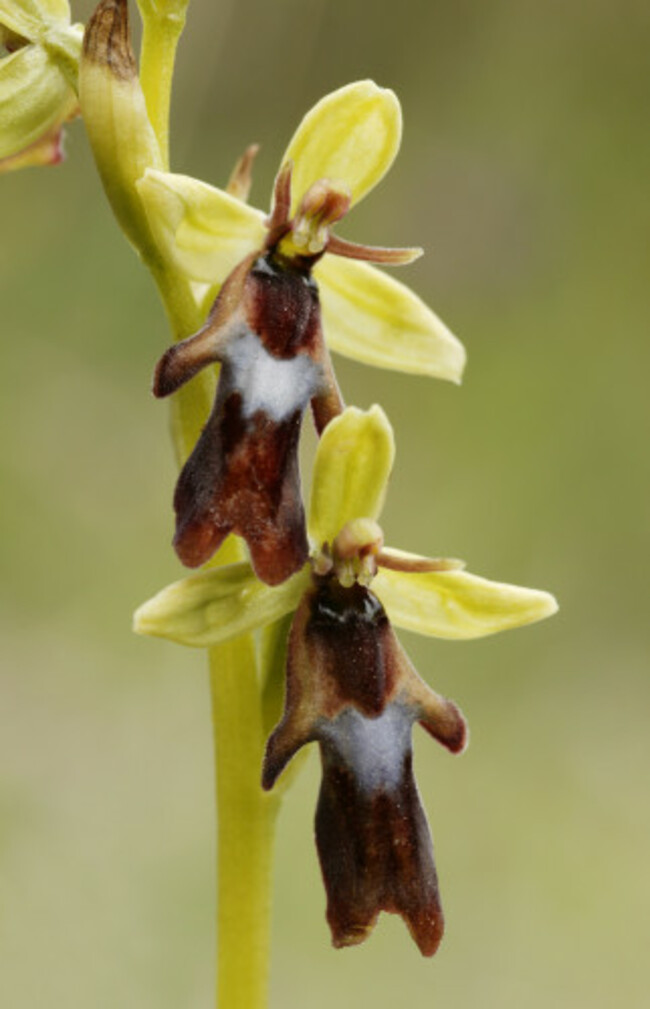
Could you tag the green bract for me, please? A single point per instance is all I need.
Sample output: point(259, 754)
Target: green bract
point(351, 473)
point(349, 138)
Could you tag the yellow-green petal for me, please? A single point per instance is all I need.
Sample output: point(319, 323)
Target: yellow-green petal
point(371, 317)
point(353, 463)
point(35, 97)
point(351, 136)
point(217, 604)
point(45, 151)
point(458, 605)
point(205, 231)
point(29, 18)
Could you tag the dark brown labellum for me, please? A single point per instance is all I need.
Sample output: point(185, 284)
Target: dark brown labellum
point(351, 688)
point(243, 474)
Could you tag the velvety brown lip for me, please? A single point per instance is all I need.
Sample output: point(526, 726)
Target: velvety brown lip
point(352, 689)
point(243, 474)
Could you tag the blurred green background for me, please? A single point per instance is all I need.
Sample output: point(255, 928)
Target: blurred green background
point(524, 173)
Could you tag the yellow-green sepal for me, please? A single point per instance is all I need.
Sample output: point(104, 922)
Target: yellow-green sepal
point(35, 99)
point(30, 18)
point(217, 604)
point(351, 135)
point(459, 605)
point(371, 317)
point(353, 464)
point(203, 230)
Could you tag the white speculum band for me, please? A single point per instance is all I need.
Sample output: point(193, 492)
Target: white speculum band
point(277, 386)
point(373, 748)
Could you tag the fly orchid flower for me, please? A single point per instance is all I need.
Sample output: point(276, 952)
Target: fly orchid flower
point(266, 332)
point(38, 80)
point(350, 687)
point(345, 144)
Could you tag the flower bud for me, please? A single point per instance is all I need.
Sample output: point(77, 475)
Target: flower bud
point(114, 110)
point(37, 82)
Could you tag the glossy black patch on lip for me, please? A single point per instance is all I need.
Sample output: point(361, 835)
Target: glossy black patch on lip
point(334, 605)
point(349, 629)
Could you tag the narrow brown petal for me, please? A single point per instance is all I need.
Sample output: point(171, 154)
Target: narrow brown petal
point(107, 41)
point(278, 223)
point(372, 253)
point(396, 560)
point(241, 177)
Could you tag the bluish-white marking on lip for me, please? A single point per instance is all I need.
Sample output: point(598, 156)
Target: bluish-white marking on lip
point(277, 386)
point(373, 748)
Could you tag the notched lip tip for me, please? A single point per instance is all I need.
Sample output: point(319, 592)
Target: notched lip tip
point(352, 937)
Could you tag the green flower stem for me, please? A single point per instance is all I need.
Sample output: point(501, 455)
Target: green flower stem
point(245, 814)
point(161, 30)
point(128, 124)
point(246, 819)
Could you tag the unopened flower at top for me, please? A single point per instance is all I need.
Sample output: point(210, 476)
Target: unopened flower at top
point(37, 80)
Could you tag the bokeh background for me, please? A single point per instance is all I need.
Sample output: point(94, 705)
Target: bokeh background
point(524, 172)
